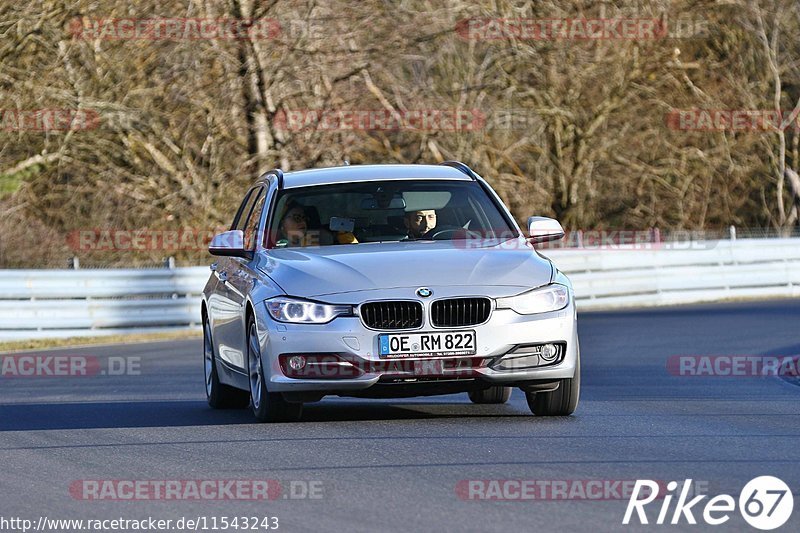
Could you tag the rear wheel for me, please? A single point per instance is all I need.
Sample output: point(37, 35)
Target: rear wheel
point(495, 394)
point(267, 406)
point(561, 402)
point(219, 395)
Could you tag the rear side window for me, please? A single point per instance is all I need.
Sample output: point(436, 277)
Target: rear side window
point(240, 219)
point(251, 226)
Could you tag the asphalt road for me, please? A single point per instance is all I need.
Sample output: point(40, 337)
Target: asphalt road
point(395, 465)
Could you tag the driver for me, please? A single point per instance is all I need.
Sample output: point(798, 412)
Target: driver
point(419, 223)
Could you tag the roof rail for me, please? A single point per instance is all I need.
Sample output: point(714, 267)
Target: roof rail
point(278, 173)
point(458, 165)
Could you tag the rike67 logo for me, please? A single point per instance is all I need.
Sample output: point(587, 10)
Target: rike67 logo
point(765, 503)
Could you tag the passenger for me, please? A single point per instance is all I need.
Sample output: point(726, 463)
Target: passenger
point(293, 227)
point(294, 230)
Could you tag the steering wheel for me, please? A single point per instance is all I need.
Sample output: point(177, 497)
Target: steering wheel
point(448, 233)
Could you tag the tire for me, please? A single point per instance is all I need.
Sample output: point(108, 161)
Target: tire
point(219, 395)
point(267, 406)
point(561, 402)
point(495, 395)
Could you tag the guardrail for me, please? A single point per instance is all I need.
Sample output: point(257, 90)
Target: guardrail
point(710, 270)
point(71, 303)
point(65, 303)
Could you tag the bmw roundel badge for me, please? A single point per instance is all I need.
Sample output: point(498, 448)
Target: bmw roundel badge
point(424, 292)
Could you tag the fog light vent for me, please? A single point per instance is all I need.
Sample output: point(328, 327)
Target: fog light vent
point(531, 356)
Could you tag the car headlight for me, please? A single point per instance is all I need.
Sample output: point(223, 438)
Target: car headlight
point(550, 298)
point(298, 311)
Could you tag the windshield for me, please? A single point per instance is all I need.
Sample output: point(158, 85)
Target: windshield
point(385, 211)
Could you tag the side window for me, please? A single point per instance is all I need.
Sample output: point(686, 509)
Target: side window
point(241, 215)
point(251, 227)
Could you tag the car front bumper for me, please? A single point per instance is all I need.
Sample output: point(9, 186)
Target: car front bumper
point(352, 341)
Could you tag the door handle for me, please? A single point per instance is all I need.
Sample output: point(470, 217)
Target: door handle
point(213, 267)
point(223, 277)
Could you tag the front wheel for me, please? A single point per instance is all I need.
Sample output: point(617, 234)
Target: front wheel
point(561, 402)
point(267, 406)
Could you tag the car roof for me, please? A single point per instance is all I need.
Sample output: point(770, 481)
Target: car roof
point(362, 173)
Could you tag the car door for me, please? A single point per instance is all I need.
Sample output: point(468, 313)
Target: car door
point(226, 304)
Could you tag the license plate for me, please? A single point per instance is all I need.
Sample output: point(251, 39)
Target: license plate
point(428, 344)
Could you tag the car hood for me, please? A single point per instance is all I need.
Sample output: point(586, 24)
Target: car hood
point(325, 270)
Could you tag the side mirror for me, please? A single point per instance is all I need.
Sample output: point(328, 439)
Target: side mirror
point(543, 229)
point(229, 243)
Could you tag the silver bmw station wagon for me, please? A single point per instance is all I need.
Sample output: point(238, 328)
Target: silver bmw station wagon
point(385, 281)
